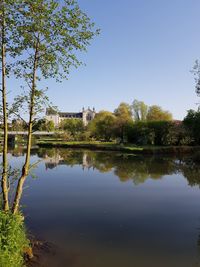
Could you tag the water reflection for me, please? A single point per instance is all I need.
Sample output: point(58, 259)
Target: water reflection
point(125, 166)
point(111, 209)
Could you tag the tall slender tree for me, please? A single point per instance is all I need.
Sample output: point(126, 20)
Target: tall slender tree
point(4, 182)
point(9, 48)
point(140, 110)
point(52, 32)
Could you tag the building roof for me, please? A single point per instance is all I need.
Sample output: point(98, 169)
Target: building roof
point(70, 114)
point(51, 111)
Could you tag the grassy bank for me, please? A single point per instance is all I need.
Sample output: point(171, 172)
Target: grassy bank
point(128, 148)
point(13, 240)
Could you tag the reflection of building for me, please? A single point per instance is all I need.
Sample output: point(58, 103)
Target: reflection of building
point(86, 116)
point(87, 161)
point(55, 160)
point(52, 162)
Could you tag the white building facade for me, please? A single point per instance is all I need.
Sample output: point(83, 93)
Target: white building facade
point(86, 116)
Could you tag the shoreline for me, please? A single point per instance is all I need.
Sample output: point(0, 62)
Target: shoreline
point(145, 150)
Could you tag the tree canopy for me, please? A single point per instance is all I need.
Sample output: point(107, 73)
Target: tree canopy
point(140, 110)
point(156, 113)
point(103, 125)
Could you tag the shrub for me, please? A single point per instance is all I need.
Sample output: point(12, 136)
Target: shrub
point(85, 136)
point(13, 240)
point(66, 136)
point(72, 126)
point(139, 133)
point(160, 133)
point(160, 130)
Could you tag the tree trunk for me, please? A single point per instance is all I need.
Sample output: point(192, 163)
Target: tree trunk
point(4, 181)
point(25, 169)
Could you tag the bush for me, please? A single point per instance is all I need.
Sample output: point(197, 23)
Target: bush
point(139, 133)
point(159, 133)
point(72, 126)
point(85, 136)
point(13, 240)
point(66, 136)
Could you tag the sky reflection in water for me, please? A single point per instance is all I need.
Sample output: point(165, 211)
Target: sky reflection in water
point(110, 210)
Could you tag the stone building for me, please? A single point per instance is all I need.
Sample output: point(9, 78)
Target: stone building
point(86, 116)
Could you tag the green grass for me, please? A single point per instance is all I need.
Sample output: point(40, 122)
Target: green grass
point(13, 240)
point(112, 146)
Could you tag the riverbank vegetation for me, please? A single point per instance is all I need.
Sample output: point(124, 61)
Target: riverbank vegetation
point(13, 240)
point(133, 125)
point(136, 124)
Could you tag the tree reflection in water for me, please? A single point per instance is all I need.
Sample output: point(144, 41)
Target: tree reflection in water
point(125, 166)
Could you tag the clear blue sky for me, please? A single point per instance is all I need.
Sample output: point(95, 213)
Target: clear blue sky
point(145, 51)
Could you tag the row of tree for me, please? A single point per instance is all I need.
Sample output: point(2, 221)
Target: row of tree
point(128, 123)
point(154, 130)
point(142, 112)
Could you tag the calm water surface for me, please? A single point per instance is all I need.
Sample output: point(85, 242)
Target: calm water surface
point(111, 210)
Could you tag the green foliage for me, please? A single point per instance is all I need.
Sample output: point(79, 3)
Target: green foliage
point(85, 136)
point(52, 33)
point(50, 126)
point(44, 125)
point(123, 117)
point(156, 113)
point(58, 30)
point(18, 125)
point(196, 72)
point(13, 240)
point(158, 133)
point(103, 126)
point(73, 126)
point(192, 123)
point(139, 133)
point(124, 111)
point(66, 136)
point(140, 110)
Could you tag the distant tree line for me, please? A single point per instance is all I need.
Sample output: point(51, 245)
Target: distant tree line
point(136, 123)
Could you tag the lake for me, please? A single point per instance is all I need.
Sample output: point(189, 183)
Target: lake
point(114, 210)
